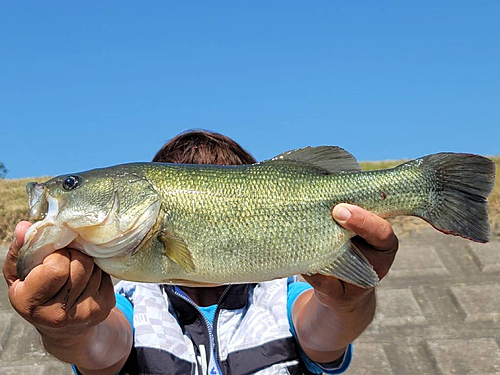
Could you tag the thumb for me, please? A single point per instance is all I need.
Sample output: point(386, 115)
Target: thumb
point(9, 266)
point(374, 230)
point(20, 231)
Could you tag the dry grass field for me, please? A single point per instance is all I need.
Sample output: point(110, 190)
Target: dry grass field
point(14, 207)
point(13, 204)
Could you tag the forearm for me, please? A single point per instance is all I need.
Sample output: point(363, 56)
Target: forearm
point(105, 346)
point(324, 331)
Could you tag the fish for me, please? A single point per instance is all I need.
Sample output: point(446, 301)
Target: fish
point(206, 225)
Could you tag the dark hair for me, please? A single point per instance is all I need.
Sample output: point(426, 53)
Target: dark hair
point(203, 147)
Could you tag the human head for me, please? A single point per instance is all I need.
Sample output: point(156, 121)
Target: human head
point(203, 147)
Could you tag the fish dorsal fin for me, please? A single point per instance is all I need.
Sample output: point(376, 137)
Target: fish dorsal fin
point(330, 159)
point(177, 250)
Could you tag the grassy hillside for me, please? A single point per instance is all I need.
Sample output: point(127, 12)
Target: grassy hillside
point(14, 207)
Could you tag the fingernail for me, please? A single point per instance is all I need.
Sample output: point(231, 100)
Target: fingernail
point(341, 213)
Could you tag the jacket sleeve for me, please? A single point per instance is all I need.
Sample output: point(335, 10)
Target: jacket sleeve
point(295, 289)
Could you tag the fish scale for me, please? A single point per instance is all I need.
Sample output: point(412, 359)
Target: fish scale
point(226, 222)
point(209, 224)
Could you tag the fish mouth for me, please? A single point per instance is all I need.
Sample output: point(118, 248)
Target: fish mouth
point(43, 237)
point(37, 201)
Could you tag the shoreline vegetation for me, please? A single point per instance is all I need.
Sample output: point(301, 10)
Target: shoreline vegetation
point(14, 205)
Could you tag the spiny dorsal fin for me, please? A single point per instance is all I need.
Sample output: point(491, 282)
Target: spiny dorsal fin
point(332, 159)
point(176, 249)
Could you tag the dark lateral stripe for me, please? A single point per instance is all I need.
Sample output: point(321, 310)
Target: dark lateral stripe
point(251, 360)
point(152, 361)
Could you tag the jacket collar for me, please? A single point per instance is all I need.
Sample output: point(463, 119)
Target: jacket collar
point(235, 298)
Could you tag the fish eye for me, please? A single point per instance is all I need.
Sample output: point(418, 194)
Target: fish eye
point(71, 182)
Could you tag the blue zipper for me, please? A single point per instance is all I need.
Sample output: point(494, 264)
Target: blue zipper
point(213, 344)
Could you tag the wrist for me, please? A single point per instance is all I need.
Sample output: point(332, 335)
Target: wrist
point(102, 346)
point(356, 313)
point(342, 322)
point(64, 336)
point(343, 304)
point(63, 345)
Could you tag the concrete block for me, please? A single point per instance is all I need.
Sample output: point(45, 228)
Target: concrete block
point(56, 367)
point(478, 302)
point(371, 360)
point(4, 294)
point(486, 256)
point(23, 342)
point(22, 369)
point(462, 356)
point(417, 260)
point(397, 307)
point(5, 329)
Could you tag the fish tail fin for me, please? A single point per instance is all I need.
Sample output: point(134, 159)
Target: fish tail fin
point(464, 181)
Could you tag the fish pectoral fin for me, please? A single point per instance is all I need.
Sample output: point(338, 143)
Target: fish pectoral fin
point(352, 267)
point(327, 159)
point(177, 250)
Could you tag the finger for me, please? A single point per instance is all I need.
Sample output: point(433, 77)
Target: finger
point(105, 296)
point(106, 290)
point(9, 266)
point(93, 285)
point(375, 230)
point(20, 231)
point(88, 307)
point(98, 299)
point(325, 284)
point(336, 293)
point(80, 272)
point(44, 281)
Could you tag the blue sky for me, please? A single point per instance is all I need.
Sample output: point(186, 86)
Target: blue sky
point(88, 84)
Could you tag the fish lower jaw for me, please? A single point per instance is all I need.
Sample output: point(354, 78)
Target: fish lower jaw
point(41, 240)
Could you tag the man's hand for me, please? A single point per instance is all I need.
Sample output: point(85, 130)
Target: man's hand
point(335, 313)
point(375, 239)
point(66, 298)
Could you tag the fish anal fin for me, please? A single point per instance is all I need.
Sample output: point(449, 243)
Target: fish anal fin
point(352, 267)
point(329, 159)
point(177, 250)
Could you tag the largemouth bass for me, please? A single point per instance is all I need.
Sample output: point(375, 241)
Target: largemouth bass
point(203, 225)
